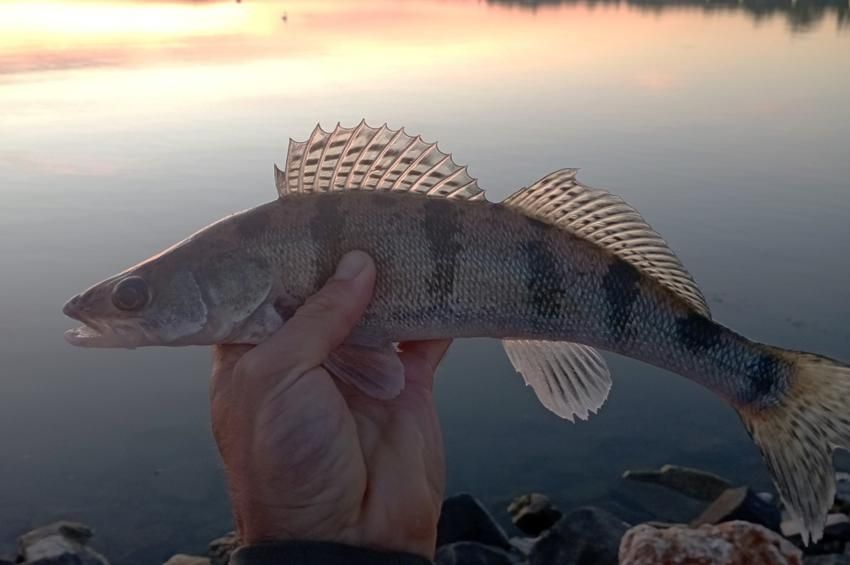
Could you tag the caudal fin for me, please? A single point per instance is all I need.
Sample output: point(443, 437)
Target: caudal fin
point(798, 434)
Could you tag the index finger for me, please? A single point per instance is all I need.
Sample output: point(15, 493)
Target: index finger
point(421, 359)
point(319, 326)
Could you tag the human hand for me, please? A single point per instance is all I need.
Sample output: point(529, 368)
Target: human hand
point(310, 458)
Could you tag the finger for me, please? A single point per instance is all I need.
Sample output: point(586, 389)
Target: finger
point(226, 356)
point(320, 325)
point(423, 357)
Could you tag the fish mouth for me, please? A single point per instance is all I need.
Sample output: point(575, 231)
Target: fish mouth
point(87, 336)
point(90, 334)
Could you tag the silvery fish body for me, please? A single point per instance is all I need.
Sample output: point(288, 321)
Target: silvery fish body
point(556, 271)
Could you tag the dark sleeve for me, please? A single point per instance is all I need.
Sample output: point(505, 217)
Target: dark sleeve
point(319, 553)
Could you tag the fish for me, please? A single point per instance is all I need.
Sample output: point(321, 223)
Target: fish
point(557, 271)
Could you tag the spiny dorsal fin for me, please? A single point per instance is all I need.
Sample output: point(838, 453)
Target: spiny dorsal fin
point(605, 219)
point(570, 379)
point(366, 158)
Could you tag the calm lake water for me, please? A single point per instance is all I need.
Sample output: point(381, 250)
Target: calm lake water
point(124, 126)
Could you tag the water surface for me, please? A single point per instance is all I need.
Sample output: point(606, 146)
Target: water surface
point(127, 125)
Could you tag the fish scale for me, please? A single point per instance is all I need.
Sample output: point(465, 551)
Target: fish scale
point(454, 278)
point(556, 271)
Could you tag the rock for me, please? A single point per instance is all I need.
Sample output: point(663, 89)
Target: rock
point(729, 543)
point(60, 543)
point(520, 545)
point(586, 535)
point(790, 528)
point(221, 548)
point(740, 504)
point(473, 553)
point(836, 534)
point(833, 559)
point(690, 482)
point(64, 559)
point(463, 518)
point(637, 503)
point(842, 492)
point(183, 559)
point(72, 531)
point(533, 513)
point(663, 525)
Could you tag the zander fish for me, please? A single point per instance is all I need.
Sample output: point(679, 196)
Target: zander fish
point(556, 271)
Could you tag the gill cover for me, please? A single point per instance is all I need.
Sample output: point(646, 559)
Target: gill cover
point(177, 311)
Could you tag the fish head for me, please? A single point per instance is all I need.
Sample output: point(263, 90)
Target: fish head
point(157, 302)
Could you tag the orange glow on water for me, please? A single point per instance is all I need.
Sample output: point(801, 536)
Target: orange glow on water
point(57, 35)
point(92, 61)
point(58, 21)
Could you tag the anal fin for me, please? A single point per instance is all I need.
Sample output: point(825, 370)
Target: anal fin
point(375, 371)
point(570, 379)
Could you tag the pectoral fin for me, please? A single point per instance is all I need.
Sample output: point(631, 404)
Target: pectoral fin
point(375, 371)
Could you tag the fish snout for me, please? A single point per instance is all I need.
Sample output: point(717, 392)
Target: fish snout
point(72, 307)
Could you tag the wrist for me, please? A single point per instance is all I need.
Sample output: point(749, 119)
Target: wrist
point(257, 524)
point(320, 552)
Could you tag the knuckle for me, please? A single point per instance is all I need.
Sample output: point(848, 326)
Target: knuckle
point(244, 368)
point(251, 367)
point(286, 360)
point(319, 305)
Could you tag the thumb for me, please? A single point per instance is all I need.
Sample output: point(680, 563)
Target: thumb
point(320, 325)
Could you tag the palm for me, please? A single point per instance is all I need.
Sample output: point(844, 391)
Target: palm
point(341, 466)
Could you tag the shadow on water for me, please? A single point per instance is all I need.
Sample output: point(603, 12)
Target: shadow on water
point(801, 15)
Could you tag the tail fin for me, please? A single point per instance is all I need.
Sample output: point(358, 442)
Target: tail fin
point(797, 436)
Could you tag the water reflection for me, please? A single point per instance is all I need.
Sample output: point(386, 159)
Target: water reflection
point(801, 15)
point(66, 34)
point(126, 125)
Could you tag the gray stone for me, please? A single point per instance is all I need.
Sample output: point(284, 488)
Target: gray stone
point(183, 559)
point(60, 543)
point(586, 535)
point(473, 553)
point(740, 504)
point(464, 518)
point(221, 548)
point(659, 525)
point(690, 482)
point(834, 559)
point(72, 531)
point(842, 492)
point(533, 513)
point(64, 559)
point(520, 545)
point(636, 503)
point(836, 534)
point(790, 528)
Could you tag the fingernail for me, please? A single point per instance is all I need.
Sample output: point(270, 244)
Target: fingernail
point(351, 265)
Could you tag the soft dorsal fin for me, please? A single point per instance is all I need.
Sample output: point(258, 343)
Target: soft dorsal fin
point(366, 158)
point(605, 219)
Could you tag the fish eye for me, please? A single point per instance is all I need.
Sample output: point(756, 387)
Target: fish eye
point(130, 294)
